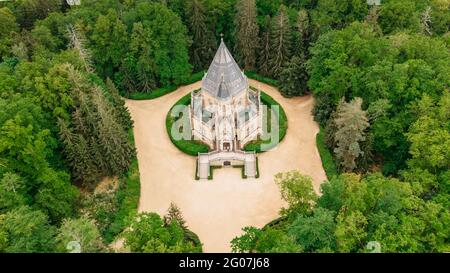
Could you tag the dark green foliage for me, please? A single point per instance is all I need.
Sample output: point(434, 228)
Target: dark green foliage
point(56, 118)
point(280, 42)
point(119, 108)
point(325, 155)
point(156, 93)
point(397, 69)
point(246, 33)
point(28, 11)
point(354, 211)
point(255, 76)
point(314, 233)
point(203, 41)
point(294, 78)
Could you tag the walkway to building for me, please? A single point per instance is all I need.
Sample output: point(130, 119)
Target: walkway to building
point(218, 209)
point(247, 159)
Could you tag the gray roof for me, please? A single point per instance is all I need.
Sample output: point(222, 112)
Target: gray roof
point(224, 77)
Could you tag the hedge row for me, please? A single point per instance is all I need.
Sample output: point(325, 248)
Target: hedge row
point(156, 93)
point(190, 147)
point(282, 121)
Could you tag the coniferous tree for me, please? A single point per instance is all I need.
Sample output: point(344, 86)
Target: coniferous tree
point(77, 42)
point(111, 136)
point(203, 42)
point(294, 77)
point(174, 214)
point(280, 42)
point(264, 56)
point(121, 111)
point(140, 65)
point(303, 33)
point(246, 33)
point(351, 122)
point(78, 156)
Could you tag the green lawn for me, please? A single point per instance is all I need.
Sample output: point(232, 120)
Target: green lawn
point(282, 121)
point(190, 147)
point(325, 155)
point(255, 76)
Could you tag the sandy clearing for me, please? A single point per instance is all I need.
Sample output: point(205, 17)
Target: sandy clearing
point(217, 210)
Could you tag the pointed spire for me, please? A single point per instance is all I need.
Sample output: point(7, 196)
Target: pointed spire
point(224, 77)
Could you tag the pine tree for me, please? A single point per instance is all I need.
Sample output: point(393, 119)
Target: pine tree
point(280, 42)
point(351, 122)
point(122, 113)
point(294, 77)
point(77, 153)
point(77, 42)
point(246, 33)
point(264, 56)
point(112, 138)
point(174, 214)
point(203, 42)
point(140, 66)
point(303, 33)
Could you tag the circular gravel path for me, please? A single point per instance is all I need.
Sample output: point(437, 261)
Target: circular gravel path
point(216, 210)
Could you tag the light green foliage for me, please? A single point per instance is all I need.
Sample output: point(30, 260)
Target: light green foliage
point(56, 195)
point(350, 231)
point(267, 240)
point(12, 192)
point(26, 230)
point(296, 189)
point(430, 135)
point(81, 230)
point(7, 27)
point(148, 233)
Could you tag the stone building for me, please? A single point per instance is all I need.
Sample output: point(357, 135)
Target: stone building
point(226, 114)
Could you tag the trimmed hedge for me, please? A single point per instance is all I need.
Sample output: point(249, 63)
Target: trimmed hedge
point(156, 93)
point(283, 125)
point(325, 155)
point(190, 147)
point(165, 90)
point(253, 75)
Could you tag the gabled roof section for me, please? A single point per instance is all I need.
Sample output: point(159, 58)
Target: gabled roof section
point(224, 77)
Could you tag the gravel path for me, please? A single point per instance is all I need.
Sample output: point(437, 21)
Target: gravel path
point(217, 210)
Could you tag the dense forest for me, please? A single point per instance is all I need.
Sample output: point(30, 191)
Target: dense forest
point(380, 75)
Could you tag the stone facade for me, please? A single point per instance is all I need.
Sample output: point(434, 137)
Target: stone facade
point(226, 114)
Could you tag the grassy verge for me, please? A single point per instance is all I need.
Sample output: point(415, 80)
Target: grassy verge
point(190, 147)
point(255, 76)
point(127, 199)
point(165, 90)
point(282, 121)
point(325, 155)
